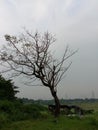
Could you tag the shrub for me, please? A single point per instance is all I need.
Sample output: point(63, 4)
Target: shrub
point(18, 111)
point(44, 114)
point(3, 119)
point(9, 107)
point(31, 111)
point(7, 89)
point(93, 121)
point(6, 106)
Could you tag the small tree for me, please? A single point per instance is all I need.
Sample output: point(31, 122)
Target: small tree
point(30, 55)
point(7, 89)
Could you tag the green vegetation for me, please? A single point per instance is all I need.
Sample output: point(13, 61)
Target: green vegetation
point(18, 116)
point(62, 123)
point(16, 111)
point(7, 89)
point(24, 114)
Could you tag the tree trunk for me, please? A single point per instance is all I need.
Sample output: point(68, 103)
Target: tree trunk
point(57, 103)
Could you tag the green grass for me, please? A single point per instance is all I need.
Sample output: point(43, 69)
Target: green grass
point(62, 123)
point(93, 106)
point(46, 121)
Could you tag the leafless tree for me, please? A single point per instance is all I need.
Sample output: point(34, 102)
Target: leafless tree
point(30, 55)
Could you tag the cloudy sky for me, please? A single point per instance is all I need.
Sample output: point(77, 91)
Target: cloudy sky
point(73, 22)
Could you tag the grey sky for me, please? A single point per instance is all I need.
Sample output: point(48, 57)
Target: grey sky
point(74, 22)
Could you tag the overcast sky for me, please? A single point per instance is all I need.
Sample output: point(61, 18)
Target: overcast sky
point(73, 22)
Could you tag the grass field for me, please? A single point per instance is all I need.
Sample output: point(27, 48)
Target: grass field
point(62, 123)
point(48, 122)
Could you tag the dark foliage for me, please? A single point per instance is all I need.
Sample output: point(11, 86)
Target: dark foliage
point(16, 111)
point(7, 89)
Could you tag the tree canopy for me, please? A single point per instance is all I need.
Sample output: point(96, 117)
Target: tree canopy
point(7, 89)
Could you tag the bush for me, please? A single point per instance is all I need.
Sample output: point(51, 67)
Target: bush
point(18, 111)
point(3, 119)
point(93, 121)
point(9, 107)
point(44, 114)
point(6, 106)
point(7, 89)
point(31, 111)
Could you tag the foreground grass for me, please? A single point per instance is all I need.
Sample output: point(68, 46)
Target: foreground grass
point(35, 117)
point(62, 123)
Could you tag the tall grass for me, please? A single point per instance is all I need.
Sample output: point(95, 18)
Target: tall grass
point(62, 123)
point(18, 116)
point(17, 111)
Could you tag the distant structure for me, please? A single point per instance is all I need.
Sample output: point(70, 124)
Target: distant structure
point(93, 94)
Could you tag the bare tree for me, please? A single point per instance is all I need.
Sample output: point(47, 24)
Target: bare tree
point(30, 55)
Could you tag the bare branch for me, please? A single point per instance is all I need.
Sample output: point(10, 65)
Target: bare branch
point(29, 55)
